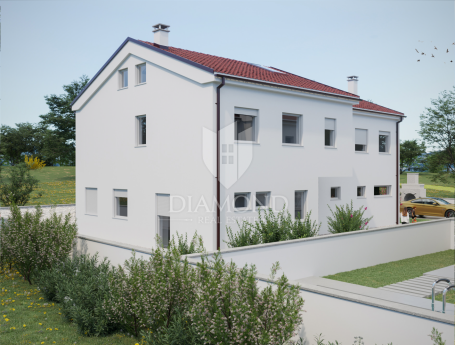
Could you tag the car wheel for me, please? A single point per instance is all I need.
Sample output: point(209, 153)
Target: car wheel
point(450, 214)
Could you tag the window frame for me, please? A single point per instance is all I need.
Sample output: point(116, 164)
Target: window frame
point(96, 201)
point(363, 190)
point(338, 193)
point(120, 193)
point(303, 203)
point(138, 74)
point(389, 191)
point(248, 201)
point(299, 126)
point(387, 148)
point(333, 135)
point(138, 130)
point(122, 78)
point(267, 202)
point(355, 141)
point(254, 131)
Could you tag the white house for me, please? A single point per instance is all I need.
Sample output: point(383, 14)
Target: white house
point(170, 140)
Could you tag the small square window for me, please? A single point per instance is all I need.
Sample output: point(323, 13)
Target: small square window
point(123, 78)
point(241, 200)
point(360, 192)
point(262, 199)
point(335, 193)
point(384, 142)
point(381, 190)
point(120, 203)
point(245, 127)
point(141, 130)
point(329, 134)
point(291, 129)
point(141, 74)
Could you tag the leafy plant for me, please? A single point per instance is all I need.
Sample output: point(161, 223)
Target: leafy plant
point(196, 245)
point(231, 309)
point(81, 285)
point(34, 163)
point(272, 227)
point(436, 336)
point(346, 219)
point(33, 243)
point(20, 187)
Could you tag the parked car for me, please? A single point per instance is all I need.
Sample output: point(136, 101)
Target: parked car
point(429, 207)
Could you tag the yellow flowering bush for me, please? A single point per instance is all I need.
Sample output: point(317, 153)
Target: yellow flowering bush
point(34, 163)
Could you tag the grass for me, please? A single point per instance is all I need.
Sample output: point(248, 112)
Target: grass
point(58, 185)
point(27, 318)
point(425, 178)
point(398, 271)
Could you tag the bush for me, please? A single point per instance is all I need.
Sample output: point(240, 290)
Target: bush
point(145, 294)
point(346, 219)
point(195, 246)
point(19, 188)
point(81, 285)
point(33, 243)
point(271, 227)
point(231, 309)
point(34, 164)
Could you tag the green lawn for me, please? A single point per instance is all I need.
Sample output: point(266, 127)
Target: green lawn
point(398, 271)
point(27, 318)
point(57, 184)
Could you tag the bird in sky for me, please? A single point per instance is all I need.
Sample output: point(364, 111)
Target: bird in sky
point(435, 48)
point(418, 60)
point(451, 61)
point(453, 43)
point(417, 51)
point(432, 55)
point(447, 51)
point(423, 53)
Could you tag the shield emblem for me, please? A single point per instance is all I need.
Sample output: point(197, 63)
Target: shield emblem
point(235, 156)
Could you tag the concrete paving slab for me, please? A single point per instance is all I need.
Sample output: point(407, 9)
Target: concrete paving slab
point(446, 272)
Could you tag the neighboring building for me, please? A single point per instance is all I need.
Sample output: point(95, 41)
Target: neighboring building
point(146, 129)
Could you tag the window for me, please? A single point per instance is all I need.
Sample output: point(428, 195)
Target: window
point(329, 132)
point(141, 130)
point(121, 203)
point(163, 206)
point(262, 199)
point(141, 74)
point(91, 201)
point(360, 139)
point(335, 193)
point(384, 142)
point(360, 192)
point(381, 190)
point(241, 200)
point(245, 127)
point(291, 125)
point(123, 78)
point(300, 203)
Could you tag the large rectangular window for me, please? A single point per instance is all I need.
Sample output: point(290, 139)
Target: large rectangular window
point(262, 199)
point(141, 74)
point(163, 206)
point(245, 127)
point(91, 201)
point(291, 129)
point(120, 203)
point(300, 204)
point(384, 142)
point(382, 190)
point(141, 130)
point(361, 139)
point(123, 78)
point(329, 132)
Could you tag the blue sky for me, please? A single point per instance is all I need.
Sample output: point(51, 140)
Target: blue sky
point(46, 44)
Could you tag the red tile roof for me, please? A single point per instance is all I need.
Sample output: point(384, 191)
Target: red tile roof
point(247, 70)
point(365, 105)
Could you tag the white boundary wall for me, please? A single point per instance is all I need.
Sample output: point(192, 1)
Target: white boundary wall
point(324, 255)
point(47, 210)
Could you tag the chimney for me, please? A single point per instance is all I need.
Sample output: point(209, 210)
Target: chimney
point(352, 84)
point(161, 34)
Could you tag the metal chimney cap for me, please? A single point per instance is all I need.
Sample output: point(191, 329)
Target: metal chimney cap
point(160, 26)
point(353, 77)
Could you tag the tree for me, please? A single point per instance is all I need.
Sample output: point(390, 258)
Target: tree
point(410, 151)
point(437, 127)
point(20, 187)
point(61, 117)
point(14, 142)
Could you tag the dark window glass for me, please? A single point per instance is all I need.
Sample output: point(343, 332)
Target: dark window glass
point(122, 207)
point(359, 147)
point(241, 200)
point(298, 205)
point(328, 137)
point(382, 143)
point(359, 191)
point(333, 192)
point(261, 199)
point(381, 190)
point(290, 129)
point(244, 127)
point(142, 130)
point(165, 230)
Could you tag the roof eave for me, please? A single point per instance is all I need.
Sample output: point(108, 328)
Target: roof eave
point(377, 111)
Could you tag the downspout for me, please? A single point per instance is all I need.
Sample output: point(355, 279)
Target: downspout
point(218, 192)
point(398, 169)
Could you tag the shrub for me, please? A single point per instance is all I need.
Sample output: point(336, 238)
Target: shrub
point(81, 285)
point(346, 219)
point(19, 188)
point(195, 246)
point(271, 227)
point(145, 294)
point(34, 164)
point(231, 309)
point(34, 243)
